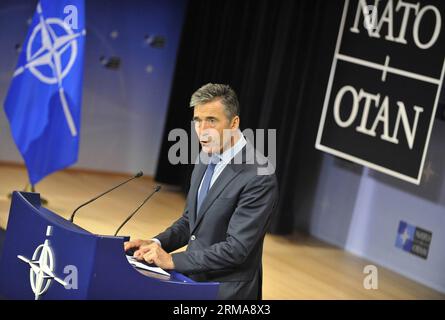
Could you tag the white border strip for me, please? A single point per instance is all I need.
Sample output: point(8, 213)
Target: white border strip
point(368, 164)
point(433, 116)
point(331, 75)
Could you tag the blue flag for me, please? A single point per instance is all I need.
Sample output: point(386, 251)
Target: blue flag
point(43, 104)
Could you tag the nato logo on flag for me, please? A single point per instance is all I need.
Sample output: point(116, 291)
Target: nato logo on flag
point(43, 104)
point(413, 239)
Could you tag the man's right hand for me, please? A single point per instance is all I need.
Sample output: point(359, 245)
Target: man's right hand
point(137, 245)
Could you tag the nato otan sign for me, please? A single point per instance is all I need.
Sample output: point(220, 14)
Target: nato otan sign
point(384, 85)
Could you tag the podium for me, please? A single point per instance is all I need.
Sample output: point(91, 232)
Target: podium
point(47, 257)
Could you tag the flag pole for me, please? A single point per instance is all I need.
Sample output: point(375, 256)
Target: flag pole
point(30, 188)
point(33, 189)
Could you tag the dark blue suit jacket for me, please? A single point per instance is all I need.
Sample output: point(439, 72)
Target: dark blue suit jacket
point(225, 239)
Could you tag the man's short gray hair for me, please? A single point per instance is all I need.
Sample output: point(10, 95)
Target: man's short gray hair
point(213, 91)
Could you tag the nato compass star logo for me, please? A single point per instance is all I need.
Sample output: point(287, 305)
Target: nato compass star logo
point(41, 272)
point(50, 40)
point(405, 236)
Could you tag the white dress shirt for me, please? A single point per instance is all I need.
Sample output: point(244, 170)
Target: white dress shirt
point(225, 158)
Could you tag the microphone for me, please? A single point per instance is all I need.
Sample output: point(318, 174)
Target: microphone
point(137, 175)
point(156, 189)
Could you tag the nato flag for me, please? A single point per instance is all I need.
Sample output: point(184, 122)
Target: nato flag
point(43, 103)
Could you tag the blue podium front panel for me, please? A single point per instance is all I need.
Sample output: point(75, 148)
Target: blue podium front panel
point(48, 257)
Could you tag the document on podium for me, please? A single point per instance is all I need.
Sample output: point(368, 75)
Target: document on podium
point(144, 266)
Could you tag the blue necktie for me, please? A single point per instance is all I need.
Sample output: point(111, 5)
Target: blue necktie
point(206, 183)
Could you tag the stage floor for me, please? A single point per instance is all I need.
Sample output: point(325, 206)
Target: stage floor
point(295, 267)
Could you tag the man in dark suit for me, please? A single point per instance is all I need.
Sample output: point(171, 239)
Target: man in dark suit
point(232, 196)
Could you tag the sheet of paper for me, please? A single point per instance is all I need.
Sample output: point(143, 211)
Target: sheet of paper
point(144, 266)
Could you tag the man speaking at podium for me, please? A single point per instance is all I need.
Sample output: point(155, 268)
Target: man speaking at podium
point(229, 205)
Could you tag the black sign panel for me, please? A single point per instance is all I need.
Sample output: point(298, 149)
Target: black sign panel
point(384, 85)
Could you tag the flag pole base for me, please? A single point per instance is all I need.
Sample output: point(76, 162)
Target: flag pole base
point(30, 188)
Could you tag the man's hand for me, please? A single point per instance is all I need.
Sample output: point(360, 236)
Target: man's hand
point(136, 244)
point(153, 253)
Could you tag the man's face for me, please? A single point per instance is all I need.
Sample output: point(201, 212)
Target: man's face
point(213, 127)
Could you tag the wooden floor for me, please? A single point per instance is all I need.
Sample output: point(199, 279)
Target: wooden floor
point(296, 267)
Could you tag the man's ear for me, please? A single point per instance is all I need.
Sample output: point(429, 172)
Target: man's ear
point(235, 122)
